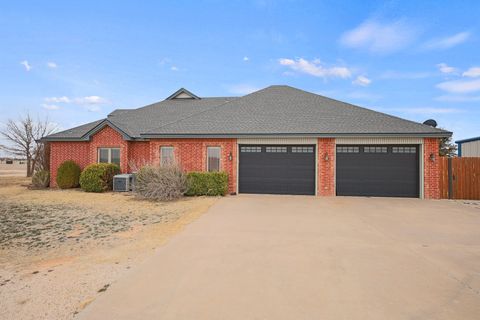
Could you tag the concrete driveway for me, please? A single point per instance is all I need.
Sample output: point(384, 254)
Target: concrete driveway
point(295, 257)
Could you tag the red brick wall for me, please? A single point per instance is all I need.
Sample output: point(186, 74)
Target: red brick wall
point(63, 151)
point(138, 154)
point(326, 168)
point(431, 176)
point(109, 138)
point(85, 153)
point(190, 153)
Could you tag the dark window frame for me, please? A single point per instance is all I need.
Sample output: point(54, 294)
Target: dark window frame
point(109, 155)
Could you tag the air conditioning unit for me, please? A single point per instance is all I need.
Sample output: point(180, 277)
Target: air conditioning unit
point(123, 182)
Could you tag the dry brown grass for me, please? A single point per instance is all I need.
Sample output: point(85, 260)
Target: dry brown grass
point(77, 241)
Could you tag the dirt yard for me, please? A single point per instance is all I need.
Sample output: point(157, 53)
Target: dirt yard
point(60, 249)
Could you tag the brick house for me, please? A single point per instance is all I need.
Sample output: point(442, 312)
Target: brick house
point(277, 140)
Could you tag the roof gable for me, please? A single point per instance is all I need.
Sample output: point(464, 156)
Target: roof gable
point(182, 93)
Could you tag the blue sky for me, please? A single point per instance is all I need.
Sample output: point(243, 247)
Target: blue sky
point(76, 61)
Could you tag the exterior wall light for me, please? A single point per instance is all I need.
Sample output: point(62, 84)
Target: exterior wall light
point(230, 157)
point(326, 157)
point(432, 157)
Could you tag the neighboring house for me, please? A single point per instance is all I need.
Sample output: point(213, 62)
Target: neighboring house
point(277, 140)
point(469, 147)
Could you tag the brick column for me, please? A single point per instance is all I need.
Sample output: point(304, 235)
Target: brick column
point(431, 175)
point(326, 168)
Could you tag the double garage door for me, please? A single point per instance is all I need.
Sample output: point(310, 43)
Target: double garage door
point(361, 170)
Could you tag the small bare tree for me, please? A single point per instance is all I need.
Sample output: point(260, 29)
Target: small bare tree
point(23, 136)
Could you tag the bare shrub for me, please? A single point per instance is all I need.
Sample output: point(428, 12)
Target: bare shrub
point(41, 179)
point(160, 183)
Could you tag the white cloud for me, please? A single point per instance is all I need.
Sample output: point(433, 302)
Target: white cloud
point(52, 65)
point(242, 89)
point(460, 86)
point(246, 58)
point(444, 68)
point(50, 106)
point(473, 72)
point(58, 99)
point(362, 81)
point(379, 37)
point(90, 103)
point(90, 100)
point(457, 98)
point(315, 68)
point(173, 68)
point(447, 42)
point(27, 65)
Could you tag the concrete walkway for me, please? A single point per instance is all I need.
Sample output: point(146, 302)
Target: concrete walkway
point(295, 257)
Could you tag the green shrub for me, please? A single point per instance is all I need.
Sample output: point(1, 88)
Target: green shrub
point(68, 175)
point(160, 183)
point(98, 177)
point(207, 184)
point(41, 179)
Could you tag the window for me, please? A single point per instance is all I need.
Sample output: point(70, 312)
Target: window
point(109, 155)
point(251, 149)
point(167, 157)
point(302, 149)
point(348, 149)
point(375, 149)
point(404, 149)
point(213, 159)
point(277, 149)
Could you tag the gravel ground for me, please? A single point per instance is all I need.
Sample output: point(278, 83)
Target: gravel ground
point(59, 249)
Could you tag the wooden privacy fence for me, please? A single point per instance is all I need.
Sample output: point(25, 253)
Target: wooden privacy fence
point(459, 178)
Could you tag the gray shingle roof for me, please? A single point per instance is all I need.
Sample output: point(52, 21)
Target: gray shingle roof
point(275, 110)
point(75, 133)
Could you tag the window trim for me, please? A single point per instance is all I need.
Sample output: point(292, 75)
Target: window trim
point(250, 149)
point(161, 155)
point(375, 149)
point(347, 149)
point(109, 154)
point(276, 149)
point(219, 158)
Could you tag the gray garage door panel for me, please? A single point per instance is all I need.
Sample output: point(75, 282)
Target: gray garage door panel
point(370, 172)
point(291, 170)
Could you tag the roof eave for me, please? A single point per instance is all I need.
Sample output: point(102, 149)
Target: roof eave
point(87, 136)
point(286, 135)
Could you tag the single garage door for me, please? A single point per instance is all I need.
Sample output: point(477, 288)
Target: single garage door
point(381, 171)
point(277, 169)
